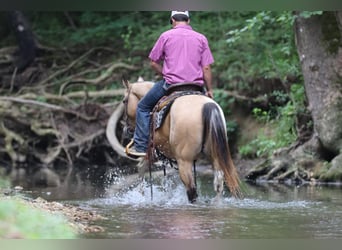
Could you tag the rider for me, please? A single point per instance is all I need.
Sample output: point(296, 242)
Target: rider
point(180, 55)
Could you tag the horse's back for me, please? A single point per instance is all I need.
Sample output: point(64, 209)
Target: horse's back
point(188, 109)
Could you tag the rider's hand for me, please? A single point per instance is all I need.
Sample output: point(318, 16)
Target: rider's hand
point(210, 94)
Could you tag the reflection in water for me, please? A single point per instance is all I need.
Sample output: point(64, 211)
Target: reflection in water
point(67, 183)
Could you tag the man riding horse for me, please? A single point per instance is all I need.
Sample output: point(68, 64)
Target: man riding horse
point(181, 56)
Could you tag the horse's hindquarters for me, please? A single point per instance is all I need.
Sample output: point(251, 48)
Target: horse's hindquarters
point(186, 128)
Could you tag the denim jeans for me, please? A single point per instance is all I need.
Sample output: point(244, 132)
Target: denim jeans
point(145, 106)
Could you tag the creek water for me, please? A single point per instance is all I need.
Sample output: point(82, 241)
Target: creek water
point(267, 211)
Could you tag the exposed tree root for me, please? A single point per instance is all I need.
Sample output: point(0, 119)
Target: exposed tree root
point(10, 138)
point(298, 166)
point(46, 123)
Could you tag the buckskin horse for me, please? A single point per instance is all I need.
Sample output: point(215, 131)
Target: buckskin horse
point(194, 125)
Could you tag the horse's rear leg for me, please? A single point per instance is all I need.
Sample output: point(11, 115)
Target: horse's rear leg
point(218, 183)
point(185, 172)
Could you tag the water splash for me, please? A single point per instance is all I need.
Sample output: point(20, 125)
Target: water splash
point(170, 193)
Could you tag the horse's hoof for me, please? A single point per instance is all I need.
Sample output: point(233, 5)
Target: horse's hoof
point(193, 201)
point(192, 195)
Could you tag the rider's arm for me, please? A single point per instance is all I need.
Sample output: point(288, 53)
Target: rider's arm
point(208, 80)
point(156, 67)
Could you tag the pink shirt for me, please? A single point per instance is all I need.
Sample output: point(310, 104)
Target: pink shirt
point(184, 53)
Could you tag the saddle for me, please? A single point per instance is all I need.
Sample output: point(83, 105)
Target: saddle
point(162, 108)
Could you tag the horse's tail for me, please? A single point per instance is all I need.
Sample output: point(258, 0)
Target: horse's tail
point(216, 144)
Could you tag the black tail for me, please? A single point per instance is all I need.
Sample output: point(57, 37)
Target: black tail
point(216, 142)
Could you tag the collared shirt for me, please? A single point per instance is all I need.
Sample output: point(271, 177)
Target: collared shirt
point(184, 53)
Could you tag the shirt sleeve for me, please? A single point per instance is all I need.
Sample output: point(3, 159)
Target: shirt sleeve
point(157, 52)
point(207, 57)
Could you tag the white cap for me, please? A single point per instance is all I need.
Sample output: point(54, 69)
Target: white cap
point(176, 12)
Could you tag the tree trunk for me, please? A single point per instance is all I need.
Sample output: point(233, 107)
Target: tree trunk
point(319, 46)
point(25, 38)
point(318, 43)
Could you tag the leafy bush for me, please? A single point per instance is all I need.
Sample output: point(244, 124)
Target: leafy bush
point(245, 44)
point(224, 101)
point(280, 125)
point(262, 47)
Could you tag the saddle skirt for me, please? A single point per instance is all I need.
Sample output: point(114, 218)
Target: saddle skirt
point(162, 108)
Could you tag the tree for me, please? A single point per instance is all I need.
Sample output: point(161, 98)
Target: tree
point(319, 45)
point(26, 40)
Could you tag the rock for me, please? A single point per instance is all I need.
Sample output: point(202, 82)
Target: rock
point(334, 172)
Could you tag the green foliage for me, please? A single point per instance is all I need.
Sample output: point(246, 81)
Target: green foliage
point(4, 182)
point(260, 115)
point(280, 125)
point(87, 28)
point(222, 98)
point(261, 146)
point(245, 44)
point(18, 219)
point(232, 128)
point(308, 14)
point(262, 47)
point(41, 98)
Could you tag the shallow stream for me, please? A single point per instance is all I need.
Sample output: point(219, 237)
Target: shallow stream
point(268, 211)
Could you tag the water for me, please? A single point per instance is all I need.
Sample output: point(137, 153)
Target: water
point(267, 211)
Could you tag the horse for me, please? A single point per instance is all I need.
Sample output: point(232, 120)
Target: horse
point(194, 125)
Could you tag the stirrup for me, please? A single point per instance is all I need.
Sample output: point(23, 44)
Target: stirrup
point(128, 146)
point(134, 153)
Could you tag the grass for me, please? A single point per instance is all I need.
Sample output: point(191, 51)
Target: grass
point(19, 219)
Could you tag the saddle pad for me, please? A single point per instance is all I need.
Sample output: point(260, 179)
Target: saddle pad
point(163, 106)
point(160, 116)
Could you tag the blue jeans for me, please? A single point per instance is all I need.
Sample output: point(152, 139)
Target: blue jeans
point(145, 106)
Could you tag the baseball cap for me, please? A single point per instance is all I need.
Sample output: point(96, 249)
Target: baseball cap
point(177, 12)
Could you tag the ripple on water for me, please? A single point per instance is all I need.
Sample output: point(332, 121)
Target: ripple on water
point(263, 204)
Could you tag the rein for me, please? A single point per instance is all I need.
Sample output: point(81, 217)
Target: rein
point(128, 128)
point(129, 131)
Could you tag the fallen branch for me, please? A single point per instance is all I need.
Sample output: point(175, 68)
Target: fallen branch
point(72, 64)
point(98, 79)
point(85, 139)
point(47, 105)
point(242, 98)
point(6, 55)
point(50, 156)
point(74, 95)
